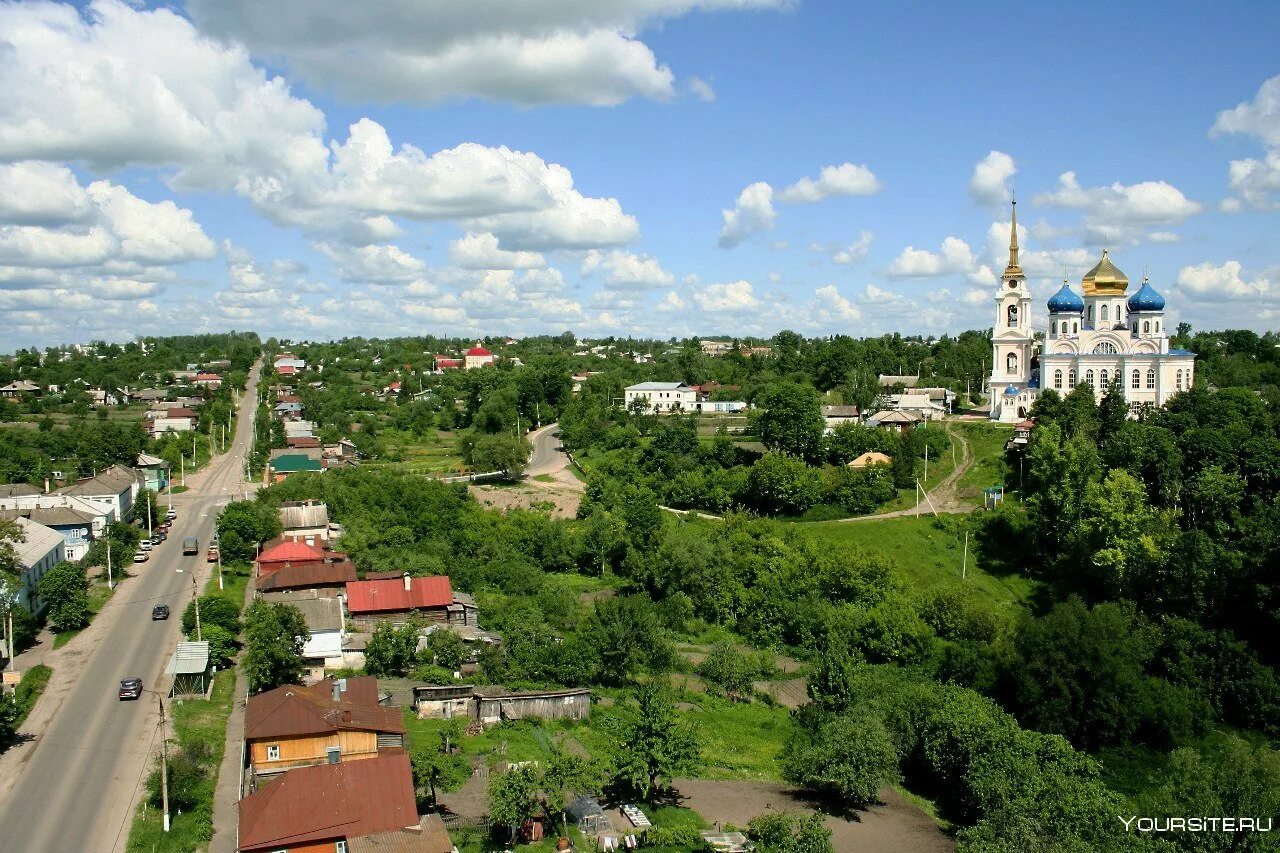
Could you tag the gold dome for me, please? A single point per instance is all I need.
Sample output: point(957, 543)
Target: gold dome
point(1105, 279)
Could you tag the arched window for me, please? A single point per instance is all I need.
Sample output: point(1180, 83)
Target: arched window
point(1075, 327)
point(1090, 313)
point(1064, 327)
point(1151, 378)
point(1057, 379)
point(1013, 315)
point(1178, 380)
point(1146, 327)
point(1071, 378)
point(1011, 363)
point(1135, 326)
point(1136, 381)
point(1105, 379)
point(1103, 314)
point(1157, 327)
point(1105, 348)
point(1088, 377)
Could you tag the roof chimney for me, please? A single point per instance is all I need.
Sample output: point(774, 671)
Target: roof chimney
point(337, 690)
point(407, 582)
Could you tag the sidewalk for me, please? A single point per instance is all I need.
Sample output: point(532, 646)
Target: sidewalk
point(226, 793)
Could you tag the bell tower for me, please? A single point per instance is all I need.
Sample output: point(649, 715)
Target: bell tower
point(1011, 338)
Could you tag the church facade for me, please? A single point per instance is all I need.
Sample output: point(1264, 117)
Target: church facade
point(1098, 339)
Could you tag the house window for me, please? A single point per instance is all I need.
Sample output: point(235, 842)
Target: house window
point(340, 846)
point(1088, 377)
point(1071, 378)
point(1013, 315)
point(1146, 327)
point(1178, 380)
point(69, 554)
point(273, 752)
point(1057, 379)
point(1136, 381)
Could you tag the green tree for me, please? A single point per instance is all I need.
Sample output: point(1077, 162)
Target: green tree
point(504, 452)
point(446, 649)
point(565, 773)
point(274, 635)
point(214, 610)
point(850, 755)
point(781, 832)
point(513, 798)
point(790, 420)
point(437, 767)
point(64, 589)
point(223, 644)
point(628, 638)
point(729, 669)
point(832, 684)
point(778, 483)
point(658, 746)
point(391, 652)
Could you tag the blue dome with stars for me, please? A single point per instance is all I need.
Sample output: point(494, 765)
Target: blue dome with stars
point(1066, 301)
point(1146, 299)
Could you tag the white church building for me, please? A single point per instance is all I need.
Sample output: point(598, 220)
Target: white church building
point(1098, 339)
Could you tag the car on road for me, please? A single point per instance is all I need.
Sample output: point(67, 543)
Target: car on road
point(140, 557)
point(190, 545)
point(160, 536)
point(131, 687)
point(160, 611)
point(145, 545)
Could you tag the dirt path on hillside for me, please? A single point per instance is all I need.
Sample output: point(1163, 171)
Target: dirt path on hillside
point(944, 499)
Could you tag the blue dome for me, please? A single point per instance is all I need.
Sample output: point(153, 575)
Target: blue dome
point(1066, 301)
point(1011, 391)
point(1146, 299)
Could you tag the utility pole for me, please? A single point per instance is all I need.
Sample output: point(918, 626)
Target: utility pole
point(182, 461)
point(195, 596)
point(219, 570)
point(926, 463)
point(150, 532)
point(110, 583)
point(164, 763)
point(964, 566)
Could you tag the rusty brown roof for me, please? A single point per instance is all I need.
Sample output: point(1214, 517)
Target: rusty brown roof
point(329, 801)
point(428, 837)
point(295, 711)
point(308, 574)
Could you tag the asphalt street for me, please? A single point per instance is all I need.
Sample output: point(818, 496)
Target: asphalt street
point(546, 456)
point(77, 789)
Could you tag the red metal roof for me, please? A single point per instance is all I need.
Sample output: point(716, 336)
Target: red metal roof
point(388, 596)
point(329, 801)
point(478, 350)
point(286, 369)
point(302, 441)
point(291, 552)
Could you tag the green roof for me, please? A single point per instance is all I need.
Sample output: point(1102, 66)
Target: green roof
point(291, 464)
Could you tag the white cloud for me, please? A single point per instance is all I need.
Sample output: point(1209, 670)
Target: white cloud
point(730, 298)
point(627, 270)
point(829, 307)
point(385, 264)
point(845, 179)
point(671, 303)
point(954, 257)
point(753, 213)
point(855, 252)
point(1213, 281)
point(1119, 213)
point(1259, 118)
point(512, 50)
point(1163, 237)
point(701, 89)
point(481, 251)
point(990, 181)
point(33, 193)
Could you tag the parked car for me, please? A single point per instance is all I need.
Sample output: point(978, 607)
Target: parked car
point(212, 556)
point(171, 515)
point(131, 687)
point(140, 557)
point(160, 611)
point(156, 538)
point(145, 545)
point(161, 535)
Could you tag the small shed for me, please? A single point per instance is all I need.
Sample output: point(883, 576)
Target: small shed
point(870, 458)
point(189, 667)
point(727, 842)
point(588, 815)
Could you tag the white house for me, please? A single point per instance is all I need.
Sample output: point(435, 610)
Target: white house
point(117, 486)
point(78, 520)
point(661, 396)
point(478, 356)
point(40, 551)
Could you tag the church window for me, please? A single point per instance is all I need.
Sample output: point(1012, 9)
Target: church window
point(1178, 380)
point(1064, 327)
point(1011, 363)
point(1146, 327)
point(1013, 315)
point(1103, 314)
point(1075, 327)
point(1136, 382)
point(1105, 379)
point(1105, 348)
point(1071, 378)
point(1057, 379)
point(1151, 378)
point(1157, 327)
point(1088, 377)
point(1090, 313)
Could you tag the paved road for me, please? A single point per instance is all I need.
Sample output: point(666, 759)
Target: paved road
point(547, 457)
point(80, 780)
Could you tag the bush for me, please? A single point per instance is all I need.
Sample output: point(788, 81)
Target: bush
point(214, 610)
point(783, 484)
point(223, 645)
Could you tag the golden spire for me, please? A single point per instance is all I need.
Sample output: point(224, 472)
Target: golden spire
point(1013, 268)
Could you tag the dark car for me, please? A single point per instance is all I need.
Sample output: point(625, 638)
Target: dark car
point(131, 687)
point(160, 611)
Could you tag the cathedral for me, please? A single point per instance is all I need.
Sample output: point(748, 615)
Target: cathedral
point(1100, 338)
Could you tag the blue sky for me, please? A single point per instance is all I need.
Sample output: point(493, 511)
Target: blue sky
point(648, 167)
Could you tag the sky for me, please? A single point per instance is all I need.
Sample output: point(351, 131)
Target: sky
point(318, 169)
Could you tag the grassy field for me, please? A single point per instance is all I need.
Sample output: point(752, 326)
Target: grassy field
point(928, 554)
point(202, 724)
point(988, 469)
point(437, 454)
